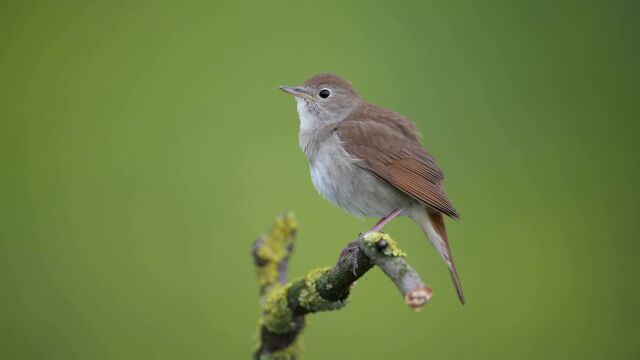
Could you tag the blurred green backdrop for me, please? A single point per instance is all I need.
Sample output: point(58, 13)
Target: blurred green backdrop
point(145, 145)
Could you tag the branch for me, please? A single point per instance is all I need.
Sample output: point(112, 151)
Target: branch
point(286, 304)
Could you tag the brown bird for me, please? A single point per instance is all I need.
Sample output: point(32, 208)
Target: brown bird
point(369, 161)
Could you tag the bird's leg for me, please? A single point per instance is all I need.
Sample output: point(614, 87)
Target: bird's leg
point(385, 220)
point(380, 221)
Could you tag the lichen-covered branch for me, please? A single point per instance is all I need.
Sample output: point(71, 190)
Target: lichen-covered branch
point(271, 253)
point(286, 304)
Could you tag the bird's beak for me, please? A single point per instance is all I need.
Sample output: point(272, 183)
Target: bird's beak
point(295, 91)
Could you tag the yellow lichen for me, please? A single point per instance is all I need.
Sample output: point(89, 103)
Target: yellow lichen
point(391, 248)
point(274, 248)
point(309, 296)
point(267, 275)
point(277, 316)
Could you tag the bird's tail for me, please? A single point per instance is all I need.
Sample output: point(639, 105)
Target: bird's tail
point(432, 224)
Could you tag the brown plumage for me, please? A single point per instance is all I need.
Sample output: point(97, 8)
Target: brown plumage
point(390, 148)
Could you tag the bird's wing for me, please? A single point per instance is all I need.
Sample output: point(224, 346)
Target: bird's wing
point(389, 146)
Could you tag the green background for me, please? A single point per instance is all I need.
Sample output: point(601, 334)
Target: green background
point(144, 145)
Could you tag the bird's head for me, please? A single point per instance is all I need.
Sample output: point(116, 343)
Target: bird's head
point(324, 99)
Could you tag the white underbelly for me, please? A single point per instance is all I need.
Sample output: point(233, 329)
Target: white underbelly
point(341, 181)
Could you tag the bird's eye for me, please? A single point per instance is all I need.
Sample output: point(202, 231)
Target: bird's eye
point(324, 93)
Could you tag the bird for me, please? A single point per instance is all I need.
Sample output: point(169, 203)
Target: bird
point(370, 161)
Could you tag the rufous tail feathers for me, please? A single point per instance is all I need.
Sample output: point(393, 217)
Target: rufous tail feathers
point(432, 224)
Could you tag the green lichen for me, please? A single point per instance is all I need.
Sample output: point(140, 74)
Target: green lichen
point(274, 248)
point(392, 249)
point(309, 297)
point(277, 316)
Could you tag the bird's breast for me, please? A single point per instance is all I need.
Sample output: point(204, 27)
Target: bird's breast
point(332, 171)
point(338, 177)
